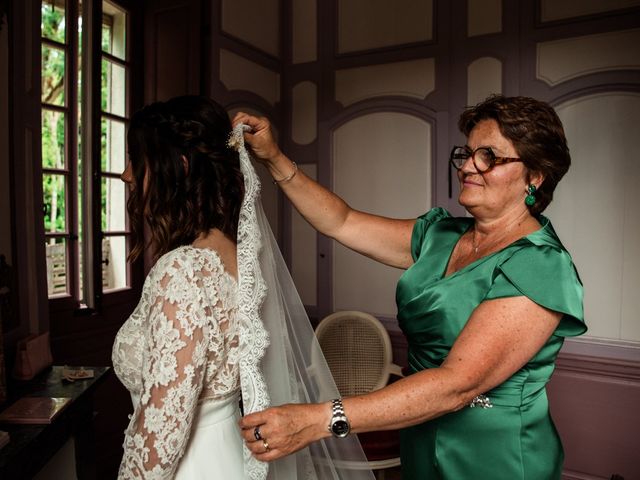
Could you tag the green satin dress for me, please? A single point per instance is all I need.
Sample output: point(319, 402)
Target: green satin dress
point(516, 438)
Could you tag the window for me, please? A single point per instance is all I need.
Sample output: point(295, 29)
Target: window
point(83, 148)
point(113, 127)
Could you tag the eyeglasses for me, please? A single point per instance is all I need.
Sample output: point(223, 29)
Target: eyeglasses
point(483, 158)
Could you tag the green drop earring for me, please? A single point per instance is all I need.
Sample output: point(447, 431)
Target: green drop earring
point(530, 199)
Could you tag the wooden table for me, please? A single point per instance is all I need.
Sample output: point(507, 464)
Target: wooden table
point(32, 446)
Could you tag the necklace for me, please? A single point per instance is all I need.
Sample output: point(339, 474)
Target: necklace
point(508, 234)
point(510, 230)
point(474, 245)
point(488, 245)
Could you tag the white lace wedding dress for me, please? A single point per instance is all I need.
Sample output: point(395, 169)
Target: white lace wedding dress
point(178, 356)
point(198, 339)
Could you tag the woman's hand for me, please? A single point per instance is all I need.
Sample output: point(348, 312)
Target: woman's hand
point(260, 138)
point(285, 429)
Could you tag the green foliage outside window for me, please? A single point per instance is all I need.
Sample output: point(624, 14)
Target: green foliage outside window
point(53, 122)
point(53, 27)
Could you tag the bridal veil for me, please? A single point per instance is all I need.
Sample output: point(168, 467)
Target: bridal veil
point(280, 358)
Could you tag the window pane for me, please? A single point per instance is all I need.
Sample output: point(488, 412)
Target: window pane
point(54, 187)
point(79, 163)
point(53, 63)
point(113, 88)
point(106, 37)
point(114, 150)
point(53, 21)
point(56, 253)
point(80, 69)
point(114, 262)
point(113, 205)
point(114, 30)
point(53, 139)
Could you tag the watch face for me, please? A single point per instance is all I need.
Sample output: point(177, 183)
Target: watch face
point(340, 428)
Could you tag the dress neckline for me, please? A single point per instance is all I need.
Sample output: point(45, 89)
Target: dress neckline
point(531, 237)
point(213, 253)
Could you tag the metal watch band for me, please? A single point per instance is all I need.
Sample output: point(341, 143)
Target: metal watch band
point(339, 424)
point(337, 407)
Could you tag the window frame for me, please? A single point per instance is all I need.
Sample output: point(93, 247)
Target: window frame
point(94, 299)
point(70, 167)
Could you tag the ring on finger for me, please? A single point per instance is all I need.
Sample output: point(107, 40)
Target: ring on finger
point(256, 433)
point(265, 444)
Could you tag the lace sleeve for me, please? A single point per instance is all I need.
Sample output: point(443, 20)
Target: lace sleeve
point(178, 338)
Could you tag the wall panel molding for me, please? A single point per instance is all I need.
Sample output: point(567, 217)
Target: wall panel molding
point(395, 23)
point(562, 60)
point(173, 65)
point(304, 31)
point(484, 17)
point(256, 23)
point(415, 79)
point(596, 381)
point(590, 366)
point(484, 77)
point(304, 108)
point(593, 402)
point(553, 10)
point(399, 187)
point(238, 73)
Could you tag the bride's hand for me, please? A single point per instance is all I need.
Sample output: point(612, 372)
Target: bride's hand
point(260, 138)
point(280, 431)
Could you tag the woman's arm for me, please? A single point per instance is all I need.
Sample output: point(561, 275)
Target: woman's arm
point(172, 376)
point(385, 240)
point(500, 338)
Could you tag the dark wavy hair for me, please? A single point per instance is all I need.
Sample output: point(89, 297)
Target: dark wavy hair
point(536, 132)
point(187, 180)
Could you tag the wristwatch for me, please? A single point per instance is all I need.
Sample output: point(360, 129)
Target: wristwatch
point(339, 424)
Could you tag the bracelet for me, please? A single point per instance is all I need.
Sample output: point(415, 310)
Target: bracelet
point(288, 177)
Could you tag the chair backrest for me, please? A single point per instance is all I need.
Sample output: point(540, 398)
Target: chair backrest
point(358, 351)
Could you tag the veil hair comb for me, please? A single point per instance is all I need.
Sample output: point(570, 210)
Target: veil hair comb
point(280, 358)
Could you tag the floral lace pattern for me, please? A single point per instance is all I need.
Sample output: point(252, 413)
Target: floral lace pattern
point(254, 338)
point(178, 348)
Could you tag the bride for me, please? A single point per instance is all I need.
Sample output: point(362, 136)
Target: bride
point(219, 327)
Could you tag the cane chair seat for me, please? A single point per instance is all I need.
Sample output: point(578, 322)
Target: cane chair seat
point(358, 351)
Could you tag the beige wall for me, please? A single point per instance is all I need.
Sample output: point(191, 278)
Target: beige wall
point(602, 185)
point(369, 24)
point(256, 22)
point(398, 145)
point(358, 161)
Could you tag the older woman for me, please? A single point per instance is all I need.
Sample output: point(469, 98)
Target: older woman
point(485, 304)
